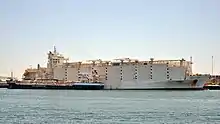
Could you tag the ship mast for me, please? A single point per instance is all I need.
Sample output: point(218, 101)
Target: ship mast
point(54, 49)
point(212, 65)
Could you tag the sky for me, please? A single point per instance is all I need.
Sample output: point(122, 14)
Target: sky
point(108, 29)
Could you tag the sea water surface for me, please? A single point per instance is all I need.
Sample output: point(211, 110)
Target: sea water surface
point(106, 107)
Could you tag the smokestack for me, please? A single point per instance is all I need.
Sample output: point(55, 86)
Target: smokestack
point(38, 66)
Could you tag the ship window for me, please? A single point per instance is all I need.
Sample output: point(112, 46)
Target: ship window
point(145, 63)
point(115, 64)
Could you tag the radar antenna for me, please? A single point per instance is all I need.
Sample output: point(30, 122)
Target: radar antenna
point(191, 61)
point(54, 49)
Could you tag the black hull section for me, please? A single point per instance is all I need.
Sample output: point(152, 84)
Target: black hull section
point(212, 87)
point(55, 87)
point(88, 87)
point(3, 85)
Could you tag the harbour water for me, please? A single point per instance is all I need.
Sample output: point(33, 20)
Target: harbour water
point(69, 106)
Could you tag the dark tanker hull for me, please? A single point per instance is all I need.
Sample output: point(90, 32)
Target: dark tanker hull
point(3, 85)
point(55, 87)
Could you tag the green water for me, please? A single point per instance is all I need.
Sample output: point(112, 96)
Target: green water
point(69, 106)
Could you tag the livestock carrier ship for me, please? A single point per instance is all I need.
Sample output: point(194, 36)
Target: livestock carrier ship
point(124, 73)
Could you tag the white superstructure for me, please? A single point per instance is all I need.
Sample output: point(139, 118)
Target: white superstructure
point(122, 73)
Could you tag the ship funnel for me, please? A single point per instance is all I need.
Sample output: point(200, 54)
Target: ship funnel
point(38, 66)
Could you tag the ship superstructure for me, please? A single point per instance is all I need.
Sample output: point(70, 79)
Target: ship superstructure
point(123, 73)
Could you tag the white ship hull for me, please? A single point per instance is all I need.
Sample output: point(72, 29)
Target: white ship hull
point(178, 84)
